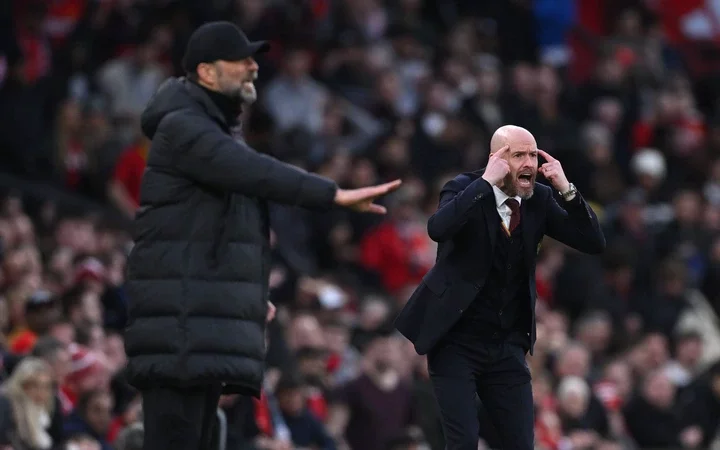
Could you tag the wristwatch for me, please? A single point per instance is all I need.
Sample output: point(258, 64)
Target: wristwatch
point(569, 193)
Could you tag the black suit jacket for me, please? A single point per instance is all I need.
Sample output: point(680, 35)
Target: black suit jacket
point(466, 226)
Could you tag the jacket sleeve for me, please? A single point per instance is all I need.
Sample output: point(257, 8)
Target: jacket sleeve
point(203, 153)
point(575, 225)
point(457, 200)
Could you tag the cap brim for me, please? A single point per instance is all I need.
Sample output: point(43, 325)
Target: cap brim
point(259, 47)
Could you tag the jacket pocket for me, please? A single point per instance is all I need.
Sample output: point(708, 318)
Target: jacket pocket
point(436, 282)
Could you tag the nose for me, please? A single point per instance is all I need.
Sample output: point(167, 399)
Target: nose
point(254, 65)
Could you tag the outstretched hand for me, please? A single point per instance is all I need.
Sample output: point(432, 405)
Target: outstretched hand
point(362, 199)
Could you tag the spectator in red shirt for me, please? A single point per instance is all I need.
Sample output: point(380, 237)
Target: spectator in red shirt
point(124, 187)
point(399, 249)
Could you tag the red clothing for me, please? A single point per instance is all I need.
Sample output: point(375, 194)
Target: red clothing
point(68, 399)
point(23, 342)
point(317, 404)
point(129, 170)
point(62, 18)
point(116, 426)
point(263, 415)
point(37, 56)
point(75, 164)
point(385, 251)
point(544, 289)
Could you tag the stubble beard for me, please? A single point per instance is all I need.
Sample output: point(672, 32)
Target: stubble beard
point(511, 189)
point(248, 93)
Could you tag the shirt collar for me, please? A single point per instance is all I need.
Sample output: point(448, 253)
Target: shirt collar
point(500, 197)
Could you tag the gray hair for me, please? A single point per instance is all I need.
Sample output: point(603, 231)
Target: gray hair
point(131, 438)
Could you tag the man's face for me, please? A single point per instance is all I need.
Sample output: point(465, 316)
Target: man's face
point(99, 413)
point(41, 319)
point(236, 79)
point(292, 402)
point(61, 365)
point(522, 157)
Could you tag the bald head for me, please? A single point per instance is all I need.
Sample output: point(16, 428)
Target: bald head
point(509, 135)
point(522, 156)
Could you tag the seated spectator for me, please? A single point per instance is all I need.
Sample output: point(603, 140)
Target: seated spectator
point(92, 417)
point(26, 406)
point(128, 415)
point(573, 405)
point(377, 406)
point(41, 311)
point(56, 355)
point(306, 429)
point(87, 373)
point(651, 416)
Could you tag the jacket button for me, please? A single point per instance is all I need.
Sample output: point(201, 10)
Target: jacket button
point(476, 286)
point(460, 311)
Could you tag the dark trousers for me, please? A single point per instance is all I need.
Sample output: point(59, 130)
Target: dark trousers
point(181, 418)
point(462, 366)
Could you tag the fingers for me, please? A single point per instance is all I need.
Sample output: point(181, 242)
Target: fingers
point(391, 186)
point(547, 170)
point(376, 209)
point(377, 191)
point(502, 151)
point(546, 155)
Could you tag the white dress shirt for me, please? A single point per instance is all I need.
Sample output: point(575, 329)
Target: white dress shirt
point(503, 209)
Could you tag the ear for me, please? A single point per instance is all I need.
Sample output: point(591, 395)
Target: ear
point(207, 73)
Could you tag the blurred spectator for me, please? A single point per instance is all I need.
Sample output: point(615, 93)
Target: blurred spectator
point(92, 417)
point(87, 374)
point(306, 430)
point(26, 406)
point(399, 249)
point(128, 82)
point(124, 187)
point(41, 310)
point(374, 408)
point(294, 99)
point(365, 91)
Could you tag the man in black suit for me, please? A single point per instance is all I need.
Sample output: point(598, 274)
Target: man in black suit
point(474, 312)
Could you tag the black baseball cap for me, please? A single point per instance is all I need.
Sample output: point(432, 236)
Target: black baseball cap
point(219, 41)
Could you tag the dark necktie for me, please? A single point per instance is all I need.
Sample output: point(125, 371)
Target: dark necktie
point(514, 206)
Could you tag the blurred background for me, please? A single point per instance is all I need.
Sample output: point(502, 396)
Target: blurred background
point(623, 92)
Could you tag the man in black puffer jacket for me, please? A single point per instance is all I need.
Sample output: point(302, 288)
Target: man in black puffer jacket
point(198, 273)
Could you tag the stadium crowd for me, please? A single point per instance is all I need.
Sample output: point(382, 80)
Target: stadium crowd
point(363, 91)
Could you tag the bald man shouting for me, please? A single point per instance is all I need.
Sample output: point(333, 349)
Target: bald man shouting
point(474, 313)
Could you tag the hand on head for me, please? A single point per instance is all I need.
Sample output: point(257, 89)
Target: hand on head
point(553, 172)
point(497, 167)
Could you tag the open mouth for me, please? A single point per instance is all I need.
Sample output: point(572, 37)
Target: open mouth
point(525, 179)
point(250, 82)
